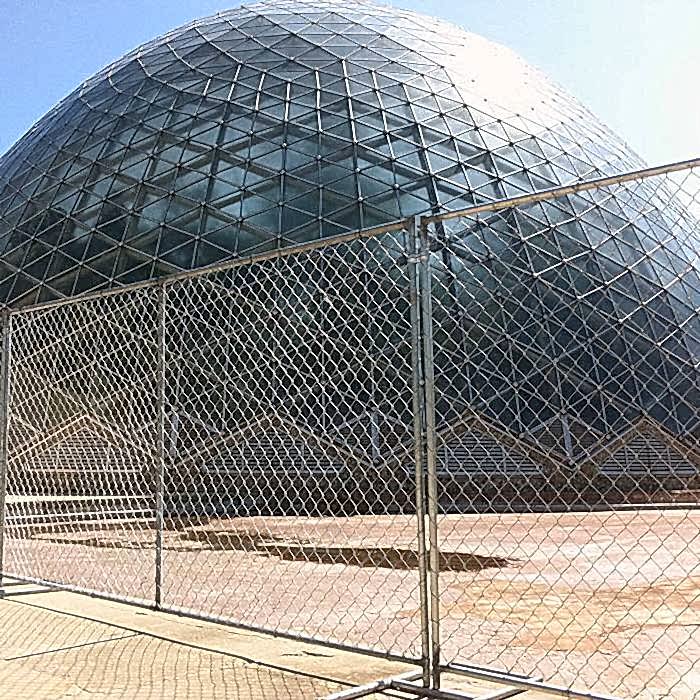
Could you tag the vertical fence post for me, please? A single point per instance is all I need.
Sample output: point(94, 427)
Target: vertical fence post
point(4, 424)
point(159, 481)
point(425, 287)
point(418, 385)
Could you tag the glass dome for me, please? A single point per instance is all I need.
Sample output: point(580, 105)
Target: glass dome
point(272, 124)
point(282, 122)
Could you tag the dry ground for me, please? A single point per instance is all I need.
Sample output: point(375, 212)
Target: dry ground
point(609, 601)
point(57, 645)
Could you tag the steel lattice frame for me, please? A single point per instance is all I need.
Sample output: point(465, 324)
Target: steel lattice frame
point(275, 124)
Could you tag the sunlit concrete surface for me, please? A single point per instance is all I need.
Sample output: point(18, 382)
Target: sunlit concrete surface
point(55, 644)
point(607, 601)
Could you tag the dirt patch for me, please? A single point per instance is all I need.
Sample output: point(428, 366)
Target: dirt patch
point(567, 619)
point(356, 555)
point(383, 557)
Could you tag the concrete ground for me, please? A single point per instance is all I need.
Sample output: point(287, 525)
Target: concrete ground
point(604, 601)
point(56, 644)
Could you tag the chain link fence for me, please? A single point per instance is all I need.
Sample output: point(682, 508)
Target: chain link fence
point(566, 339)
point(469, 440)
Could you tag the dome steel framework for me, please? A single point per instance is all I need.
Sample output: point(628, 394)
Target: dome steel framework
point(281, 123)
point(274, 124)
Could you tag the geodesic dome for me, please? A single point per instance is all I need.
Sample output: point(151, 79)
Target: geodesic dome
point(273, 124)
point(284, 122)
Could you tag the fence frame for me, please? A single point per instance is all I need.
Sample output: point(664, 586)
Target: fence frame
point(416, 263)
point(161, 452)
point(418, 252)
point(6, 321)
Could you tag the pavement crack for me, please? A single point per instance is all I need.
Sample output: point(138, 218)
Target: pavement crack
point(69, 648)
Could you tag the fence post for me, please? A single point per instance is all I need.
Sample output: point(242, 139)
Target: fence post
point(418, 385)
point(4, 424)
point(159, 481)
point(425, 286)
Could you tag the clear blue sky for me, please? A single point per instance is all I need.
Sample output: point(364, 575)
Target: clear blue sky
point(635, 63)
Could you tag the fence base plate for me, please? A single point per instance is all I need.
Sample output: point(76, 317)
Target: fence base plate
point(508, 685)
point(407, 683)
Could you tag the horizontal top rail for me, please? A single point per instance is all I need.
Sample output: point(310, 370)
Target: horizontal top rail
point(561, 190)
point(392, 226)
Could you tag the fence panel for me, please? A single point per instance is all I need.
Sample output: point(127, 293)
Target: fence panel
point(290, 500)
point(540, 357)
point(82, 421)
point(566, 345)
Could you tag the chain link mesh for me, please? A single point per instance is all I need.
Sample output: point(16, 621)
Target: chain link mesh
point(290, 425)
point(288, 493)
point(282, 397)
point(566, 337)
point(83, 409)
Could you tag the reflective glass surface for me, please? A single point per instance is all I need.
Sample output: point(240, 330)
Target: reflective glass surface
point(288, 121)
point(273, 124)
